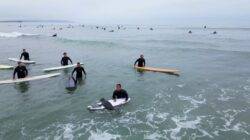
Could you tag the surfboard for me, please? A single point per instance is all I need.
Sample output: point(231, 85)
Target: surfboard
point(60, 67)
point(163, 70)
point(6, 67)
point(23, 61)
point(32, 78)
point(116, 103)
point(71, 84)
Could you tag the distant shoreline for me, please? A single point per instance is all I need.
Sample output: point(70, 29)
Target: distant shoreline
point(21, 21)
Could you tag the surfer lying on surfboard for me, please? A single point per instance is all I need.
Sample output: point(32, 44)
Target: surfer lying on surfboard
point(20, 70)
point(141, 61)
point(120, 93)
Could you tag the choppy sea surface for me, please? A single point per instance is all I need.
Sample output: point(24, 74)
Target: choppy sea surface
point(210, 99)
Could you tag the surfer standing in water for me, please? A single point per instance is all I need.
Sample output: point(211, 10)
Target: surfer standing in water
point(120, 93)
point(79, 70)
point(65, 59)
point(141, 61)
point(25, 55)
point(21, 71)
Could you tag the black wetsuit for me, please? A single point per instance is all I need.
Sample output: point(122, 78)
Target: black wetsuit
point(107, 104)
point(141, 62)
point(120, 94)
point(65, 60)
point(25, 55)
point(79, 71)
point(21, 71)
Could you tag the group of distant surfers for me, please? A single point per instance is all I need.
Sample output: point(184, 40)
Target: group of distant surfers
point(22, 72)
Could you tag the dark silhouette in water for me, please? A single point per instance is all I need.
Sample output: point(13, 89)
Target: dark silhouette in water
point(54, 35)
point(138, 28)
point(190, 32)
point(111, 31)
point(151, 29)
point(214, 32)
point(205, 27)
point(106, 104)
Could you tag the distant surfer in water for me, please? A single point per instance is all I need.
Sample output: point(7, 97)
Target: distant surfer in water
point(20, 70)
point(79, 70)
point(120, 93)
point(25, 55)
point(54, 35)
point(140, 61)
point(65, 59)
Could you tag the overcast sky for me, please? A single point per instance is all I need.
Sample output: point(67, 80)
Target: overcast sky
point(129, 11)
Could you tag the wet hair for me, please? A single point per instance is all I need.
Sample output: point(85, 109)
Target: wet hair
point(64, 53)
point(78, 63)
point(119, 85)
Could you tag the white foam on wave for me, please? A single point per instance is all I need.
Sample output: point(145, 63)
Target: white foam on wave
point(102, 136)
point(14, 34)
point(224, 96)
point(183, 123)
point(229, 116)
point(194, 102)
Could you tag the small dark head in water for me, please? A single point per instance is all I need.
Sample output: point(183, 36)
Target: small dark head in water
point(54, 35)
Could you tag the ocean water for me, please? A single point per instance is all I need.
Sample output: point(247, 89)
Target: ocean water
point(210, 99)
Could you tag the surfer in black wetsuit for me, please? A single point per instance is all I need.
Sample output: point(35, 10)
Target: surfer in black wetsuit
point(25, 55)
point(141, 61)
point(107, 104)
point(120, 93)
point(65, 59)
point(21, 71)
point(79, 70)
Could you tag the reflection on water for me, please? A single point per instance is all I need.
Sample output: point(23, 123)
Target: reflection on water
point(22, 87)
point(81, 81)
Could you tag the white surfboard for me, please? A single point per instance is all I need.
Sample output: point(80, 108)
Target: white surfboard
point(60, 67)
point(6, 67)
point(32, 78)
point(23, 61)
point(116, 103)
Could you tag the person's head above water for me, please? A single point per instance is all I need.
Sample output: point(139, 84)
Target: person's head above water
point(78, 64)
point(141, 56)
point(64, 54)
point(24, 50)
point(118, 87)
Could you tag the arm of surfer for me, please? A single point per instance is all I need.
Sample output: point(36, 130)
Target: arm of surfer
point(70, 60)
point(84, 71)
point(26, 72)
point(62, 61)
point(14, 74)
point(73, 72)
point(21, 56)
point(135, 62)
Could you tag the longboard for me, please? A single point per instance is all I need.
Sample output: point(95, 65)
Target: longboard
point(23, 61)
point(32, 78)
point(6, 67)
point(116, 103)
point(60, 67)
point(163, 70)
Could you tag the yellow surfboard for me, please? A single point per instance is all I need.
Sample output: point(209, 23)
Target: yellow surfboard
point(163, 70)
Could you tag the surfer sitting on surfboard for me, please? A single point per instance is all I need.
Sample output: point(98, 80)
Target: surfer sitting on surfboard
point(140, 61)
point(25, 55)
point(120, 93)
point(21, 71)
point(65, 59)
point(79, 70)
